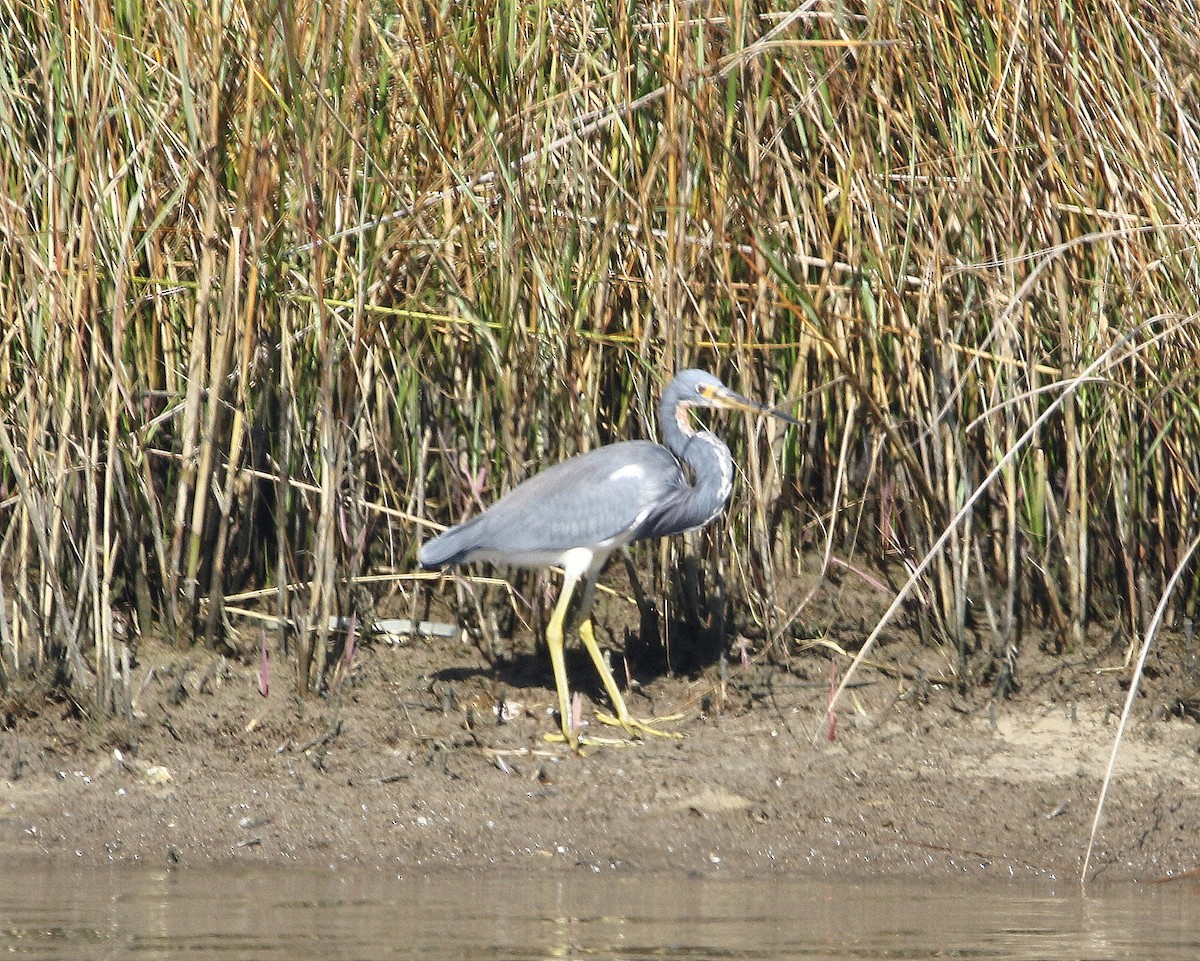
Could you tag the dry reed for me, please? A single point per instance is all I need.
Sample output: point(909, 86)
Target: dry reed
point(283, 284)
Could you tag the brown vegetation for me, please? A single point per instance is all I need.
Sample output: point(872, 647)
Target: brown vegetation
point(283, 286)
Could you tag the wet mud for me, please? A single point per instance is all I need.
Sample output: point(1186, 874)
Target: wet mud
point(431, 756)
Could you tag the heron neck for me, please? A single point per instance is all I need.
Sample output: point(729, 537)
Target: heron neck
point(706, 455)
point(673, 422)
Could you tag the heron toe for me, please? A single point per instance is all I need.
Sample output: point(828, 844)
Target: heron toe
point(636, 728)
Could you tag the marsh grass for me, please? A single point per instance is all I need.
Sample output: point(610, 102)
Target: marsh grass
point(285, 285)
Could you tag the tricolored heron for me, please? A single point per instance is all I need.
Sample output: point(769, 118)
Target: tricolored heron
point(576, 513)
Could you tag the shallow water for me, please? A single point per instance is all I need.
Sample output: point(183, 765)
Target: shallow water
point(234, 913)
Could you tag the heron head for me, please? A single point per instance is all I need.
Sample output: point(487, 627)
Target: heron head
point(699, 388)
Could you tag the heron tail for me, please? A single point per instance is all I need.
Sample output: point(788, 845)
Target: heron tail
point(450, 547)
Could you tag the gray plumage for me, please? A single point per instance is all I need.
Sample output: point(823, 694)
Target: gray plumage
point(603, 499)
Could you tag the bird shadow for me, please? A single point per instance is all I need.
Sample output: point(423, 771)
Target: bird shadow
point(637, 658)
point(684, 643)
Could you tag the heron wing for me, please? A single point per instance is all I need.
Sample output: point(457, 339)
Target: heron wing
point(601, 500)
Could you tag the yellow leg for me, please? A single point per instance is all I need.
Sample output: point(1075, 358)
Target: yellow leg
point(554, 641)
point(632, 725)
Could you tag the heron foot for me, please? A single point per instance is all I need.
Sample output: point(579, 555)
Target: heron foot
point(596, 740)
point(554, 737)
point(636, 728)
point(587, 740)
point(633, 726)
point(582, 740)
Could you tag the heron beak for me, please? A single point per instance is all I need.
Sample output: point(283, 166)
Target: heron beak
point(724, 397)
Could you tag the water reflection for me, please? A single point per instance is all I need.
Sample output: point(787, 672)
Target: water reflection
point(234, 913)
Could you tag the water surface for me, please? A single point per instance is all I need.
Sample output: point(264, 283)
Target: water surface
point(267, 913)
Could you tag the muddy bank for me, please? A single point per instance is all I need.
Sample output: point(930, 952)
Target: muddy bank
point(432, 758)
